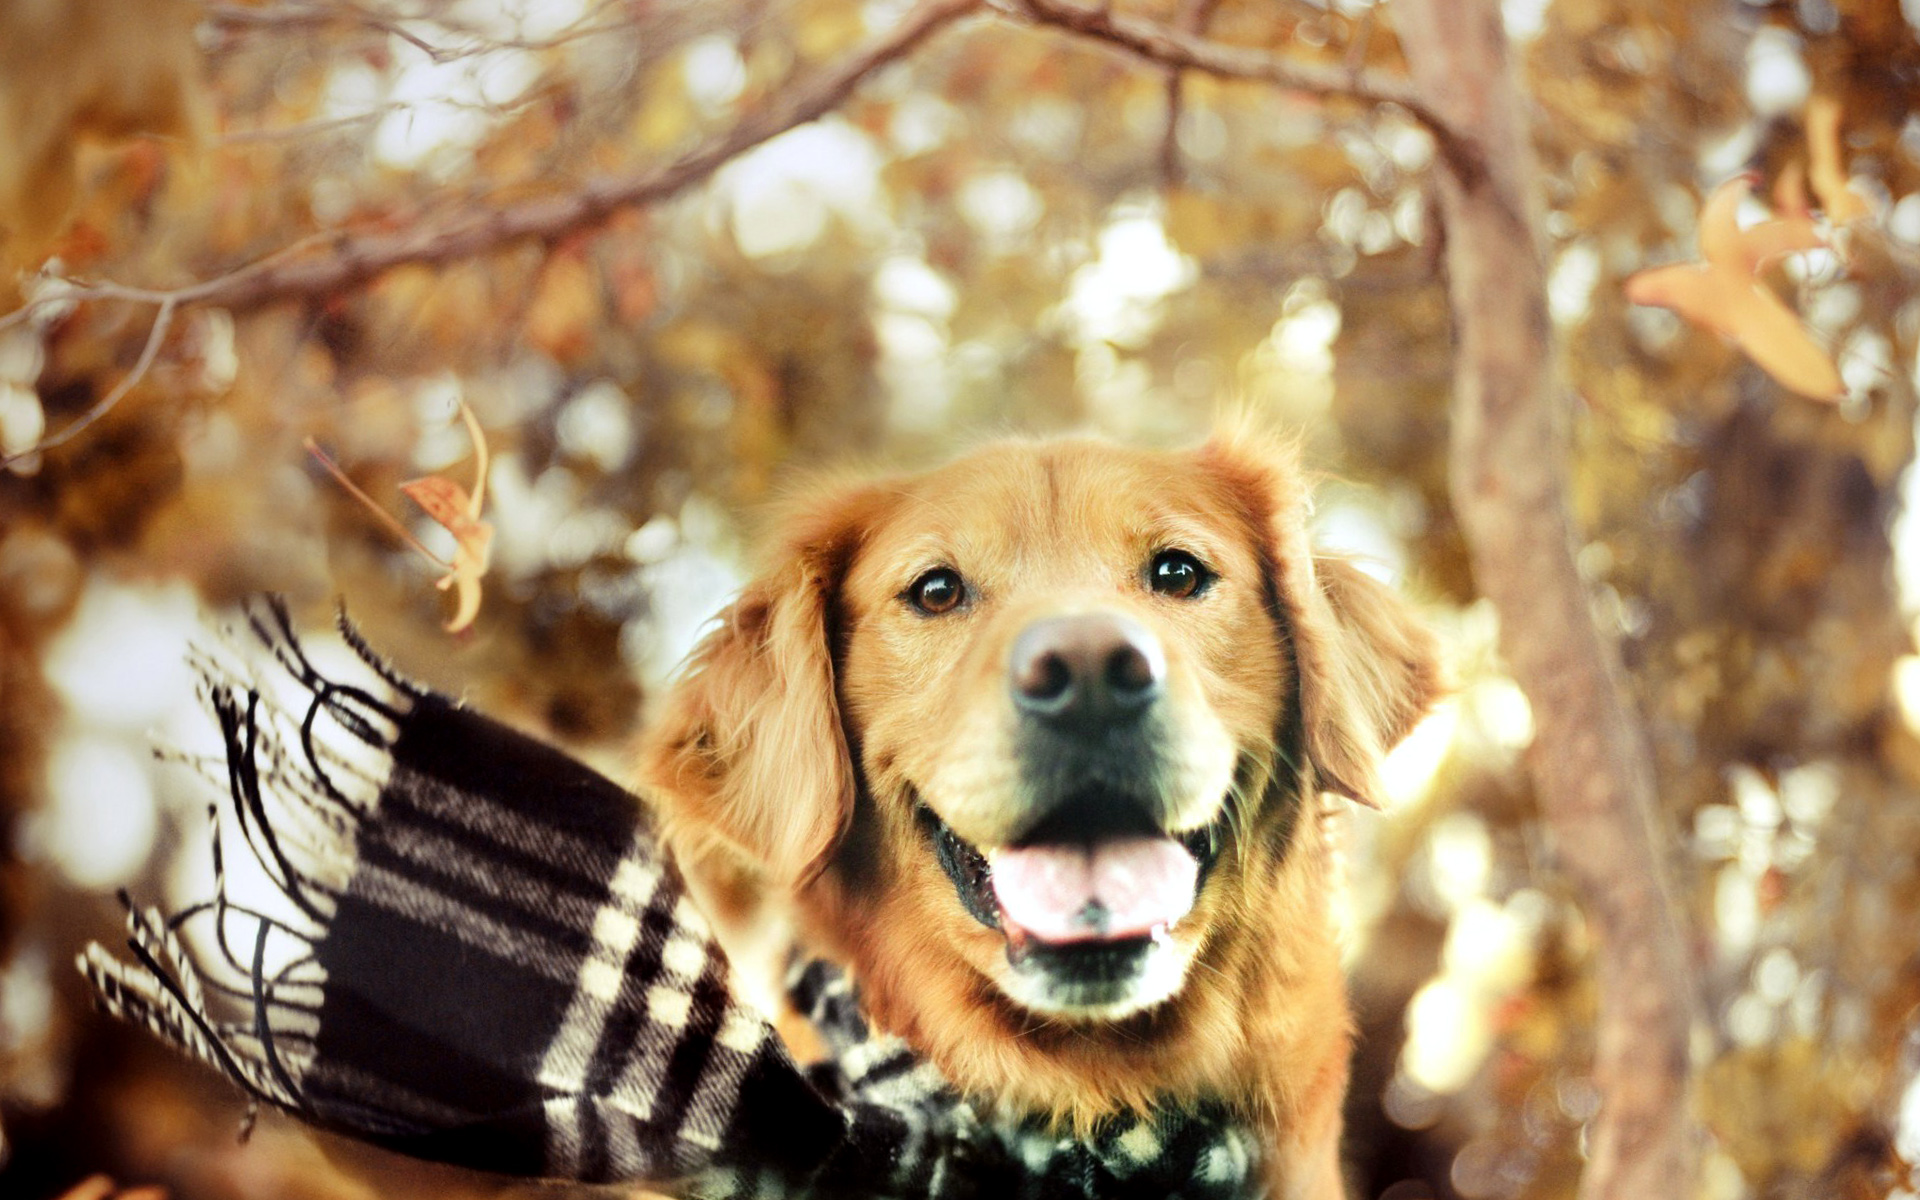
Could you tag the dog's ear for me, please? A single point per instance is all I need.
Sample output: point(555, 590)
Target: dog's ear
point(1368, 669)
point(748, 746)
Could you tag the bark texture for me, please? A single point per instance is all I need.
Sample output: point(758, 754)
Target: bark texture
point(1590, 762)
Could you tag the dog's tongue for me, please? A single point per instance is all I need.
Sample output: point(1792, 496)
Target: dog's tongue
point(1115, 889)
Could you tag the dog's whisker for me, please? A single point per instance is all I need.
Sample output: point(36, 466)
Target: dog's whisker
point(1200, 964)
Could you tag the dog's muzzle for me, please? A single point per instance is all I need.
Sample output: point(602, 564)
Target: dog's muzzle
point(1086, 901)
point(1088, 884)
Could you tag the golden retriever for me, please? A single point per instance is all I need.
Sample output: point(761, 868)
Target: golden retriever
point(1034, 743)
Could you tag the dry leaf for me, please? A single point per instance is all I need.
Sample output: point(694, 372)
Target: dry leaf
point(452, 506)
point(1724, 293)
point(81, 71)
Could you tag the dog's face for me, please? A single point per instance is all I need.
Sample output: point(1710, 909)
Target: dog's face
point(1067, 693)
point(1034, 733)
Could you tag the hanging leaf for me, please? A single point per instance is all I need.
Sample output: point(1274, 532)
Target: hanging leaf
point(450, 505)
point(1724, 292)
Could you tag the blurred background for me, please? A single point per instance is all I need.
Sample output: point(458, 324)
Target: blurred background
point(1006, 228)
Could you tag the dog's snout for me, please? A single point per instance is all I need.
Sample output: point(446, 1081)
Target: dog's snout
point(1086, 671)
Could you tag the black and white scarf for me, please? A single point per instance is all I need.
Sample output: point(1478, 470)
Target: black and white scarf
point(477, 953)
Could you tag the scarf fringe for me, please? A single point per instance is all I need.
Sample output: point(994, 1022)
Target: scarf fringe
point(199, 979)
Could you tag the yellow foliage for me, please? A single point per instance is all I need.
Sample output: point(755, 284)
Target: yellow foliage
point(567, 307)
point(80, 71)
point(1782, 1107)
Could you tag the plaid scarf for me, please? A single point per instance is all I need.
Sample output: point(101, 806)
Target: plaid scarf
point(479, 954)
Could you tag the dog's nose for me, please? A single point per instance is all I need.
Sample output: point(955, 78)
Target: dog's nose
point(1086, 671)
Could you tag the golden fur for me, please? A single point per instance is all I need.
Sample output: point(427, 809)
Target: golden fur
point(791, 755)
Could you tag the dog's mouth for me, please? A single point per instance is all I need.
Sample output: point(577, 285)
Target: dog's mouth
point(1095, 877)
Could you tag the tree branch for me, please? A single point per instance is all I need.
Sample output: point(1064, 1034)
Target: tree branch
point(1169, 46)
point(156, 336)
point(354, 258)
point(1590, 762)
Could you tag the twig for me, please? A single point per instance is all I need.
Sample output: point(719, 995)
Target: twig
point(1591, 765)
point(305, 129)
point(162, 322)
point(297, 17)
point(326, 125)
point(394, 524)
point(479, 497)
point(59, 290)
point(1193, 18)
point(1160, 43)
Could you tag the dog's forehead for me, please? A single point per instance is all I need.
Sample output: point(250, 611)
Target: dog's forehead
point(1048, 507)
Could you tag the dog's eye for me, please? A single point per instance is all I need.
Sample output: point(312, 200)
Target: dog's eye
point(1177, 574)
point(938, 591)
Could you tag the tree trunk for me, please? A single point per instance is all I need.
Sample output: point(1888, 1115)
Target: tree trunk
point(1589, 759)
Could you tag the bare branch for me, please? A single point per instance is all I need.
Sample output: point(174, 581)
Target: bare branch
point(353, 259)
point(320, 128)
point(157, 334)
point(296, 18)
point(311, 129)
point(60, 293)
point(1591, 765)
point(1169, 46)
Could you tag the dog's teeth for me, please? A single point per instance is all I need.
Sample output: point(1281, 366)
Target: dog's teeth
point(1018, 943)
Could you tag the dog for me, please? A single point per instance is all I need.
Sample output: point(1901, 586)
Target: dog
point(1036, 744)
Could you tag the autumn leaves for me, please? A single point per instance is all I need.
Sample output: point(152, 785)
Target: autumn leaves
point(1727, 291)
